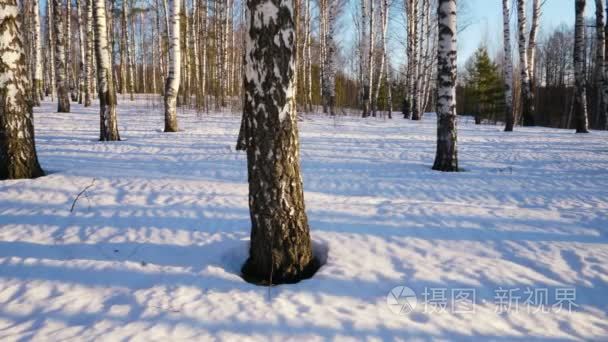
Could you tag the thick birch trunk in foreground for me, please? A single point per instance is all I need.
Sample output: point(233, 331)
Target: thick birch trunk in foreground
point(63, 98)
point(281, 249)
point(580, 98)
point(446, 158)
point(105, 81)
point(37, 86)
point(173, 76)
point(507, 65)
point(528, 103)
point(18, 157)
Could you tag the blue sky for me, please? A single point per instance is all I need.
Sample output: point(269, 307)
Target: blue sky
point(487, 18)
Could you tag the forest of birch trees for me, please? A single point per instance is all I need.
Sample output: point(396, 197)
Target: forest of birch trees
point(368, 58)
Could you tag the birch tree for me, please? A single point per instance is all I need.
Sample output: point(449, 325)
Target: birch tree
point(105, 81)
point(173, 76)
point(580, 96)
point(280, 249)
point(531, 54)
point(18, 158)
point(507, 65)
point(369, 77)
point(37, 86)
point(446, 158)
point(329, 59)
point(601, 78)
point(63, 98)
point(88, 82)
point(82, 48)
point(384, 9)
point(51, 48)
point(528, 103)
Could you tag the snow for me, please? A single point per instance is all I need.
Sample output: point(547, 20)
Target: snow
point(153, 248)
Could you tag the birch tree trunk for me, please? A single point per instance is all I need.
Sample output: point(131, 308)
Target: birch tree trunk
point(508, 65)
point(129, 42)
point(528, 104)
point(446, 158)
point(415, 62)
point(281, 249)
point(173, 76)
point(601, 78)
point(105, 81)
point(603, 124)
point(37, 93)
point(308, 59)
point(384, 23)
point(329, 68)
point(51, 48)
point(123, 48)
point(69, 74)
point(83, 60)
point(63, 98)
point(18, 158)
point(580, 98)
point(89, 70)
point(369, 83)
point(536, 12)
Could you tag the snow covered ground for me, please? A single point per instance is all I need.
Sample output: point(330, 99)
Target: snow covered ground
point(152, 249)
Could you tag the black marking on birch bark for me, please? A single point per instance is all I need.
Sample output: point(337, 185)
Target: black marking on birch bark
point(280, 237)
point(446, 157)
point(18, 158)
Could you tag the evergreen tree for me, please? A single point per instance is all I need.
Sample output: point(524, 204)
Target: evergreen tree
point(484, 87)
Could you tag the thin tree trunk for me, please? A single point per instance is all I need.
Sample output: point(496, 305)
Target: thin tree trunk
point(580, 97)
point(446, 158)
point(63, 103)
point(173, 77)
point(37, 93)
point(105, 81)
point(600, 65)
point(508, 65)
point(369, 84)
point(69, 72)
point(83, 60)
point(51, 47)
point(281, 248)
point(528, 103)
point(384, 22)
point(18, 158)
point(89, 70)
point(536, 12)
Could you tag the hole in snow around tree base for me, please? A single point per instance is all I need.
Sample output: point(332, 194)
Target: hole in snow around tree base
point(235, 259)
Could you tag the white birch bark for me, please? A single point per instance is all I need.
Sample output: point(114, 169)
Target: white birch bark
point(82, 48)
point(18, 157)
point(446, 158)
point(507, 65)
point(89, 55)
point(528, 105)
point(105, 81)
point(37, 56)
point(51, 48)
point(580, 98)
point(174, 73)
point(63, 98)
